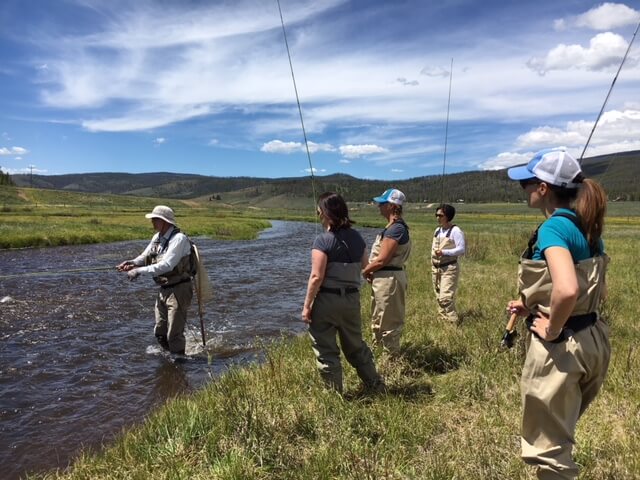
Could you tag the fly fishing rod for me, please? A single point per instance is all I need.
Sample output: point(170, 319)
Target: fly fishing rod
point(624, 58)
point(57, 272)
point(295, 88)
point(446, 133)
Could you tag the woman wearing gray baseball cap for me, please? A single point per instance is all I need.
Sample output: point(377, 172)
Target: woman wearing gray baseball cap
point(561, 281)
point(386, 273)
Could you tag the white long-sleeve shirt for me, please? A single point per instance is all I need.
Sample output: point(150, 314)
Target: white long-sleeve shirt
point(458, 238)
point(179, 247)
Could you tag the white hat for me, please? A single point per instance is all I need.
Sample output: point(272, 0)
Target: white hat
point(553, 165)
point(163, 213)
point(392, 195)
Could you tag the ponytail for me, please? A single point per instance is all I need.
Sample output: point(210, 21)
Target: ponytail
point(591, 207)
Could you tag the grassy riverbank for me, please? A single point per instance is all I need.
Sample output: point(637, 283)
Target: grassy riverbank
point(39, 218)
point(453, 407)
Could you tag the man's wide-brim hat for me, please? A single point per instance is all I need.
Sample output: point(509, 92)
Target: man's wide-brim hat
point(163, 213)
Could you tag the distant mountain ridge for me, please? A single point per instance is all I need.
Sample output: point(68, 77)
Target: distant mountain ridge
point(617, 172)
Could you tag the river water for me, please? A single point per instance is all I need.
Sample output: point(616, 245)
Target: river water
point(78, 360)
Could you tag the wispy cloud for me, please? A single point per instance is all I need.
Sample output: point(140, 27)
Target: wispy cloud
point(435, 72)
point(407, 83)
point(4, 151)
point(381, 99)
point(23, 170)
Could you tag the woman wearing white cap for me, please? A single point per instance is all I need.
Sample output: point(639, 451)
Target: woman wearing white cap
point(167, 259)
point(386, 273)
point(561, 281)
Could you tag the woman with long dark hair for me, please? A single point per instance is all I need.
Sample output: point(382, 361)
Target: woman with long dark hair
point(332, 303)
point(561, 283)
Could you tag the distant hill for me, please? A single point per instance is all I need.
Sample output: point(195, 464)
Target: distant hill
point(617, 172)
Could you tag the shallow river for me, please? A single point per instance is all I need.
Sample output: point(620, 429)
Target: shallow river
point(78, 360)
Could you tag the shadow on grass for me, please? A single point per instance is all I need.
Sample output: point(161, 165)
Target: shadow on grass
point(425, 358)
point(410, 389)
point(471, 315)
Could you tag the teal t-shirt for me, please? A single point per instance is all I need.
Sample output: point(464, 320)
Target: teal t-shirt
point(562, 232)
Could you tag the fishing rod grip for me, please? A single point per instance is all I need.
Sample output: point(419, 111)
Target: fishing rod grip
point(511, 324)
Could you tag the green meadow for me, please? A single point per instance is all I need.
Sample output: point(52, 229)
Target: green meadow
point(453, 406)
point(37, 218)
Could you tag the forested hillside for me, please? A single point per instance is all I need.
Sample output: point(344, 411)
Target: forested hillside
point(617, 172)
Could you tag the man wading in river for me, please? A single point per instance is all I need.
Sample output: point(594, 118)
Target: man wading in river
point(167, 259)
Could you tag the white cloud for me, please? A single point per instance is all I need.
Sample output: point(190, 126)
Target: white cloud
point(505, 159)
point(345, 161)
point(605, 50)
point(607, 16)
point(354, 151)
point(553, 136)
point(614, 127)
point(315, 170)
point(213, 141)
point(278, 146)
point(397, 170)
point(160, 140)
point(16, 171)
point(4, 151)
point(617, 131)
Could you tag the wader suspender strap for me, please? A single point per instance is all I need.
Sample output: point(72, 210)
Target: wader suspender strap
point(165, 244)
point(342, 242)
point(448, 234)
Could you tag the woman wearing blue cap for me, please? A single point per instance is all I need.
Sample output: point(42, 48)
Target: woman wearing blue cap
point(561, 281)
point(386, 273)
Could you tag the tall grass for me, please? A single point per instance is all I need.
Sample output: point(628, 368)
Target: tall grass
point(39, 218)
point(453, 406)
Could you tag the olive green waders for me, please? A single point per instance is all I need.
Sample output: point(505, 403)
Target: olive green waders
point(340, 313)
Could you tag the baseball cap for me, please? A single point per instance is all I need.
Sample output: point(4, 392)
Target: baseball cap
point(552, 165)
point(392, 195)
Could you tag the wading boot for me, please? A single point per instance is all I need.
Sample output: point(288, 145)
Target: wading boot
point(162, 341)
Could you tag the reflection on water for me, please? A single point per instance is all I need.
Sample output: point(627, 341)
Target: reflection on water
point(78, 359)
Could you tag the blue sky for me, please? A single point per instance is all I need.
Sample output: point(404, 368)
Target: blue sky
point(205, 87)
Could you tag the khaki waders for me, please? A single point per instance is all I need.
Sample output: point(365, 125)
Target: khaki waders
point(388, 293)
point(561, 378)
point(445, 272)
